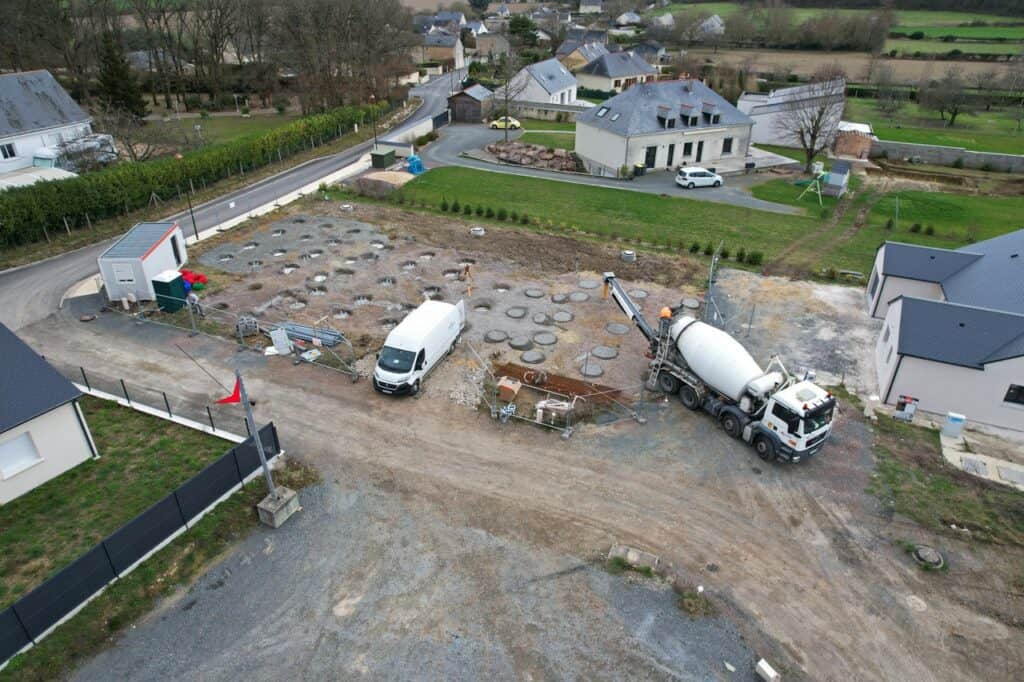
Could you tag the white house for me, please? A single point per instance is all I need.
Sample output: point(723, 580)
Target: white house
point(590, 7)
point(768, 110)
point(547, 81)
point(442, 47)
point(661, 124)
point(42, 430)
point(615, 72)
point(145, 251)
point(36, 116)
point(664, 21)
point(953, 336)
point(711, 27)
point(628, 19)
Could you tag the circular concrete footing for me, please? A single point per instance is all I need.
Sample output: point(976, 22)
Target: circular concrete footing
point(521, 342)
point(579, 297)
point(562, 316)
point(604, 352)
point(516, 312)
point(495, 336)
point(559, 298)
point(533, 357)
point(545, 339)
point(542, 319)
point(533, 292)
point(691, 303)
point(589, 284)
point(591, 370)
point(638, 293)
point(617, 328)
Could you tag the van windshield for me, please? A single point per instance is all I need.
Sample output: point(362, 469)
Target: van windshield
point(396, 360)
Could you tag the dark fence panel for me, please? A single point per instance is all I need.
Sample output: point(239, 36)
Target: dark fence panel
point(442, 119)
point(12, 635)
point(246, 455)
point(204, 488)
point(140, 535)
point(61, 594)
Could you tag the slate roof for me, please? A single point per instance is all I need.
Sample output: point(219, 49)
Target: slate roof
point(552, 76)
point(590, 3)
point(29, 386)
point(638, 108)
point(138, 241)
point(34, 100)
point(440, 40)
point(996, 279)
point(618, 65)
point(589, 51)
point(959, 334)
point(923, 263)
point(587, 35)
point(477, 92)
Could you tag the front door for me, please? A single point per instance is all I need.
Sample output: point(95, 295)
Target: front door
point(652, 152)
point(700, 150)
point(671, 155)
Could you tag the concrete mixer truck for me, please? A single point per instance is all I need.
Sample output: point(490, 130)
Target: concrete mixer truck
point(785, 418)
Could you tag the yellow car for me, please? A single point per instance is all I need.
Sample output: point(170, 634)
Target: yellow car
point(505, 122)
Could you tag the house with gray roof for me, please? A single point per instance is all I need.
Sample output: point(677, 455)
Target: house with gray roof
point(769, 110)
point(953, 330)
point(587, 35)
point(441, 47)
point(661, 124)
point(42, 430)
point(574, 54)
point(545, 82)
point(471, 105)
point(615, 72)
point(590, 7)
point(36, 114)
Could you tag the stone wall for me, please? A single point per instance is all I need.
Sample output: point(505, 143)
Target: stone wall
point(545, 111)
point(947, 156)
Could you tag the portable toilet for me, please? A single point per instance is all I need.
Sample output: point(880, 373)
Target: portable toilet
point(169, 288)
point(129, 267)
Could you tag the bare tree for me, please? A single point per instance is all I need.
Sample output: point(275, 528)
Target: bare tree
point(512, 83)
point(811, 120)
point(139, 140)
point(948, 96)
point(889, 96)
point(1013, 82)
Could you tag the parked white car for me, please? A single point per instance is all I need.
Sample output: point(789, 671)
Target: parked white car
point(694, 176)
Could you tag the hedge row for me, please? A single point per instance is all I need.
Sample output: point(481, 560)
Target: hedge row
point(26, 212)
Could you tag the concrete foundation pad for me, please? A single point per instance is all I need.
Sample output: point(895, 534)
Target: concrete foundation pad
point(545, 339)
point(534, 293)
point(495, 336)
point(591, 370)
point(562, 316)
point(559, 298)
point(274, 512)
point(521, 342)
point(579, 297)
point(532, 357)
point(542, 319)
point(617, 328)
point(516, 312)
point(604, 352)
point(638, 293)
point(589, 284)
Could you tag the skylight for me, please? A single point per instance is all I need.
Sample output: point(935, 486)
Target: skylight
point(601, 112)
point(615, 116)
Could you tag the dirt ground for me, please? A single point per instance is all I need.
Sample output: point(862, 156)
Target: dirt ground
point(806, 565)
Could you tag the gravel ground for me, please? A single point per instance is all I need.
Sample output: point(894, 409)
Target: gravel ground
point(364, 583)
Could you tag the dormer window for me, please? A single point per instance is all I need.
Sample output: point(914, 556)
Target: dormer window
point(715, 118)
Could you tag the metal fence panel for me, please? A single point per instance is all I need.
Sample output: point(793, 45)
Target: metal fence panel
point(143, 533)
point(200, 491)
point(12, 635)
point(246, 455)
point(61, 594)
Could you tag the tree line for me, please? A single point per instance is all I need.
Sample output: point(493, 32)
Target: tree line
point(1011, 8)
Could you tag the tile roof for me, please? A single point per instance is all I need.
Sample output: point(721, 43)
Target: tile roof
point(34, 100)
point(29, 386)
point(618, 65)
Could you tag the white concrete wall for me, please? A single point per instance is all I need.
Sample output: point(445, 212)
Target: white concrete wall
point(604, 152)
point(58, 438)
point(587, 80)
point(886, 357)
point(977, 394)
point(892, 287)
point(768, 127)
point(875, 276)
point(25, 146)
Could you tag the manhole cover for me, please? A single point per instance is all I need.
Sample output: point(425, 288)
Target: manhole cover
point(617, 328)
point(638, 293)
point(579, 297)
point(591, 370)
point(495, 336)
point(516, 312)
point(691, 303)
point(542, 319)
point(604, 352)
point(533, 292)
point(562, 316)
point(559, 298)
point(532, 357)
point(521, 342)
point(545, 339)
point(589, 284)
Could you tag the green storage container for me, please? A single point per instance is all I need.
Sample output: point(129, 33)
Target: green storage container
point(383, 159)
point(169, 288)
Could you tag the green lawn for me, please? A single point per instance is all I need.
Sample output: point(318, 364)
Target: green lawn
point(540, 124)
point(142, 459)
point(554, 140)
point(986, 131)
point(653, 218)
point(940, 47)
point(940, 30)
point(795, 154)
point(219, 129)
point(783, 191)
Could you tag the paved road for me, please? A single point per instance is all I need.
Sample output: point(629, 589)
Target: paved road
point(457, 139)
point(29, 294)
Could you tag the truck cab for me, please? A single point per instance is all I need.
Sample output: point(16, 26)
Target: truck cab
point(796, 423)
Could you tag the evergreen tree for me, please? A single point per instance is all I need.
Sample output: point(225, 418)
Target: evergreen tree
point(118, 88)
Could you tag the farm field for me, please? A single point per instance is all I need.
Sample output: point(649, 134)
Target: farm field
point(940, 47)
point(986, 131)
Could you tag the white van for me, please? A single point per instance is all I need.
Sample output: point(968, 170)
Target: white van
point(417, 345)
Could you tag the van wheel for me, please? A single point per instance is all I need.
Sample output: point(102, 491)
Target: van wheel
point(415, 388)
point(688, 397)
point(690, 186)
point(731, 425)
point(765, 448)
point(667, 383)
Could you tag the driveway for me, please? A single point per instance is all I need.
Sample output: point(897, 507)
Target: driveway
point(458, 138)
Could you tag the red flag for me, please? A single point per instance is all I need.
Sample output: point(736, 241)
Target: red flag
point(235, 397)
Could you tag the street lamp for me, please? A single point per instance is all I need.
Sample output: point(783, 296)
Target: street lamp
point(373, 114)
point(188, 197)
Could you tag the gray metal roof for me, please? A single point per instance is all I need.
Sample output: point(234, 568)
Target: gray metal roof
point(477, 92)
point(439, 40)
point(34, 100)
point(637, 108)
point(587, 35)
point(138, 240)
point(618, 65)
point(552, 76)
point(996, 279)
point(959, 334)
point(923, 263)
point(29, 386)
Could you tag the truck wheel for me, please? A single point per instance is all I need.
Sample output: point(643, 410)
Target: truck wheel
point(731, 425)
point(667, 383)
point(765, 448)
point(688, 397)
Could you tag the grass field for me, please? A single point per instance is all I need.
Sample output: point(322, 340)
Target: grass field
point(539, 124)
point(554, 140)
point(911, 47)
point(219, 129)
point(986, 131)
point(142, 459)
point(781, 191)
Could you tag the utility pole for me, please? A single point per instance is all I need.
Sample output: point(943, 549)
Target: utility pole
point(373, 114)
point(191, 213)
point(255, 435)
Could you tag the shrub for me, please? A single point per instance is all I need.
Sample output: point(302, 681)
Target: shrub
point(245, 110)
point(524, 219)
point(444, 204)
point(513, 216)
point(987, 167)
point(502, 214)
point(755, 258)
point(832, 273)
point(695, 247)
point(725, 253)
point(824, 213)
point(917, 35)
point(479, 210)
point(959, 162)
point(456, 206)
point(916, 227)
point(708, 249)
point(205, 113)
point(490, 212)
point(930, 230)
point(741, 255)
point(281, 104)
point(467, 210)
point(193, 102)
point(888, 224)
